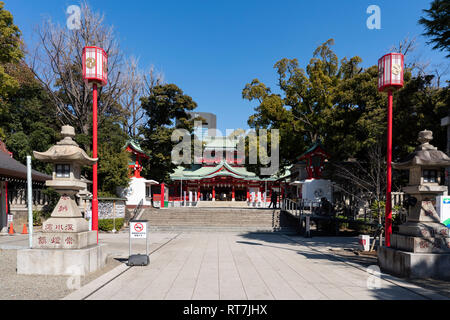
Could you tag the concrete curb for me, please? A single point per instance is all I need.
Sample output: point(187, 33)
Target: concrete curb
point(96, 284)
point(426, 293)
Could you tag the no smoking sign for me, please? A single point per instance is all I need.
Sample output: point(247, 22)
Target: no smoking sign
point(138, 230)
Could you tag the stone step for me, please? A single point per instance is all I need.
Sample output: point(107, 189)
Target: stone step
point(220, 229)
point(221, 219)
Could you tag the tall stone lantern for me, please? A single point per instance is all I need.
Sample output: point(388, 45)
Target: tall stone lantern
point(421, 247)
point(66, 231)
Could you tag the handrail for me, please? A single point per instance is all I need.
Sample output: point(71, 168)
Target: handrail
point(137, 209)
point(297, 208)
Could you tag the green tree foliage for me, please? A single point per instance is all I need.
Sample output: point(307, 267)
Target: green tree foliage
point(10, 51)
point(113, 159)
point(437, 26)
point(338, 102)
point(166, 108)
point(27, 121)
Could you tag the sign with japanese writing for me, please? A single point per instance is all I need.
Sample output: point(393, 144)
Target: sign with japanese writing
point(138, 230)
point(10, 218)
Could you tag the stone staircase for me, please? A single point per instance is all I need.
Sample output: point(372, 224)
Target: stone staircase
point(222, 204)
point(214, 219)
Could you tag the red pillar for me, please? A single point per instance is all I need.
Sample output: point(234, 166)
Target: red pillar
point(388, 213)
point(162, 195)
point(214, 193)
point(94, 169)
point(232, 193)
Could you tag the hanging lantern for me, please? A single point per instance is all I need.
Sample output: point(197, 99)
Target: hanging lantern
point(390, 72)
point(95, 65)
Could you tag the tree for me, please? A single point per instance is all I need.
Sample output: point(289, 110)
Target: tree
point(10, 52)
point(28, 122)
point(339, 103)
point(167, 109)
point(437, 26)
point(310, 102)
point(137, 83)
point(57, 64)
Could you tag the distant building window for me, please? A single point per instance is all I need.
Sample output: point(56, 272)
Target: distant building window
point(62, 170)
point(429, 175)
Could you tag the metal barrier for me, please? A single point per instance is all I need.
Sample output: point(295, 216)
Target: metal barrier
point(299, 207)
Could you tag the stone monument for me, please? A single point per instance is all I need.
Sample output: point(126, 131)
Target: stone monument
point(65, 243)
point(421, 247)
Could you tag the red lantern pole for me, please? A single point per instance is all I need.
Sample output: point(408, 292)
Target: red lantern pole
point(388, 212)
point(94, 170)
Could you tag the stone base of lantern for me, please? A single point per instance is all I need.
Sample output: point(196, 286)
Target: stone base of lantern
point(64, 240)
point(414, 265)
point(67, 262)
point(420, 244)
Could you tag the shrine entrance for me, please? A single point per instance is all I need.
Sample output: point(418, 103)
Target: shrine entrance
point(206, 193)
point(223, 193)
point(240, 194)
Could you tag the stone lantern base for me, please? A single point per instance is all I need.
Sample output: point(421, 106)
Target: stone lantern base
point(414, 265)
point(66, 262)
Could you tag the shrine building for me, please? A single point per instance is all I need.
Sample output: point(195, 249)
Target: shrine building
point(221, 175)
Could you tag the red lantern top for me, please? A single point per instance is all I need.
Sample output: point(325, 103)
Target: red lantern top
point(95, 65)
point(390, 72)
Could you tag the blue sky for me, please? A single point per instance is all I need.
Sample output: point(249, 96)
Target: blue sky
point(211, 49)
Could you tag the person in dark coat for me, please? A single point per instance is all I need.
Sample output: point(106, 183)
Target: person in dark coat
point(273, 199)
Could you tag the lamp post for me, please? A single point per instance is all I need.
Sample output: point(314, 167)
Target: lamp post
point(95, 72)
point(390, 78)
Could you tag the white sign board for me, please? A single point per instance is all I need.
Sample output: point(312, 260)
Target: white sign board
point(10, 218)
point(138, 230)
point(443, 209)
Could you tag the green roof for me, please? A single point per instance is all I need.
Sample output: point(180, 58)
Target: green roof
point(316, 145)
point(135, 146)
point(223, 169)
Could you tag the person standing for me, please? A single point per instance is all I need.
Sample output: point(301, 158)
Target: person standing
point(273, 199)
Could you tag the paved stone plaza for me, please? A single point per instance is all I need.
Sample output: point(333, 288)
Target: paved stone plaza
point(246, 266)
point(223, 265)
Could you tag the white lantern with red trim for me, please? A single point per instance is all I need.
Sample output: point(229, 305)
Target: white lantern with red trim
point(95, 65)
point(390, 72)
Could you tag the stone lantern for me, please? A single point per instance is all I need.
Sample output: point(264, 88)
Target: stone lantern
point(421, 247)
point(66, 230)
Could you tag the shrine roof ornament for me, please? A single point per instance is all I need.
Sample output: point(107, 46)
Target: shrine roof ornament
point(65, 150)
point(316, 148)
point(135, 146)
point(424, 155)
